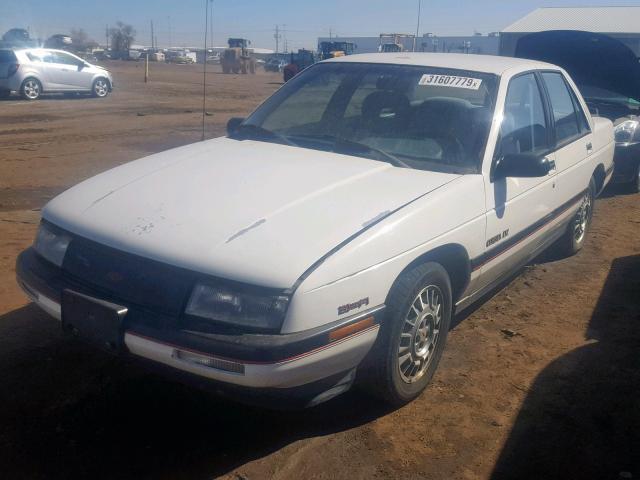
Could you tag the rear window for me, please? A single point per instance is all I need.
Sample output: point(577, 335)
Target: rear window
point(7, 56)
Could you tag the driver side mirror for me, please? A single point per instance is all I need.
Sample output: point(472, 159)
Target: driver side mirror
point(233, 124)
point(82, 65)
point(522, 165)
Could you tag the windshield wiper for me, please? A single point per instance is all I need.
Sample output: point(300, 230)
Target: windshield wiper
point(387, 157)
point(250, 128)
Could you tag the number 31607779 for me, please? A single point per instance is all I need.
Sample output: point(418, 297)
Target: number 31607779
point(454, 81)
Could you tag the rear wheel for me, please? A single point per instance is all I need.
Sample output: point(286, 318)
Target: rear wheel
point(575, 236)
point(412, 339)
point(100, 88)
point(31, 89)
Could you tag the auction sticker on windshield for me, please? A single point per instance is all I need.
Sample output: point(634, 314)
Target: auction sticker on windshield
point(430, 79)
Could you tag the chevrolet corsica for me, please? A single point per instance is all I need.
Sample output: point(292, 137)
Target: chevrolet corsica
point(333, 233)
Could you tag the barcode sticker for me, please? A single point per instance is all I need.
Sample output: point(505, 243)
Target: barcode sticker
point(429, 79)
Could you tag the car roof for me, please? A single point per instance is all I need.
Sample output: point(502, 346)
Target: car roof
point(479, 63)
point(39, 49)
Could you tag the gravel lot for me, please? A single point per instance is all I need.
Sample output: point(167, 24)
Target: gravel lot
point(540, 381)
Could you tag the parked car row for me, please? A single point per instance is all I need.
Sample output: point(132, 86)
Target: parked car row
point(367, 201)
point(275, 64)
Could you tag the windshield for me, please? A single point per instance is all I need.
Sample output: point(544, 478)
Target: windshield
point(410, 116)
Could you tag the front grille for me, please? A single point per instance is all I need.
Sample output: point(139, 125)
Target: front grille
point(128, 277)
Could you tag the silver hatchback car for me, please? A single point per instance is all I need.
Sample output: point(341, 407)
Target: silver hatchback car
point(34, 71)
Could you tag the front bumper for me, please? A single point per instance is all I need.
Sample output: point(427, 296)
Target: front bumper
point(626, 159)
point(256, 361)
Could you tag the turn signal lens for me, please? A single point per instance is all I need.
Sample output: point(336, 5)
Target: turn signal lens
point(350, 329)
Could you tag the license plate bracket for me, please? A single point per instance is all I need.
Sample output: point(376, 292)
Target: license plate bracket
point(94, 320)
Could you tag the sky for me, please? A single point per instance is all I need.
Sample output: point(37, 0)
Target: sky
point(182, 23)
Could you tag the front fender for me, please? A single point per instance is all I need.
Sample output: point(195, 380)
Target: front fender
point(363, 271)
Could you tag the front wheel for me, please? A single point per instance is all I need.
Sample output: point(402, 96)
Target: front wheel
point(31, 89)
point(100, 88)
point(413, 336)
point(576, 234)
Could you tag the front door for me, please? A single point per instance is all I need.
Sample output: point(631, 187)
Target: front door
point(65, 72)
point(517, 208)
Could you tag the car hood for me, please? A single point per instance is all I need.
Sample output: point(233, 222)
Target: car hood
point(590, 58)
point(251, 211)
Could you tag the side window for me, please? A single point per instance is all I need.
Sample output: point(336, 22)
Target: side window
point(583, 123)
point(524, 128)
point(563, 106)
point(65, 59)
point(33, 57)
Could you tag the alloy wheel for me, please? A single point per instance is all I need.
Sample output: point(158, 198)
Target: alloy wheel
point(101, 88)
point(31, 89)
point(420, 334)
point(581, 221)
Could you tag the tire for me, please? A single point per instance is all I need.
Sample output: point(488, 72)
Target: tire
point(100, 88)
point(406, 354)
point(576, 234)
point(31, 89)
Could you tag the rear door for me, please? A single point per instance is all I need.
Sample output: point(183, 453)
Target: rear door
point(572, 137)
point(517, 208)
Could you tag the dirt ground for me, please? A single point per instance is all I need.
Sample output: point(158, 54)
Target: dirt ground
point(540, 381)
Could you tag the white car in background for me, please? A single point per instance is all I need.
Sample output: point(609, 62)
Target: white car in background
point(333, 233)
point(34, 71)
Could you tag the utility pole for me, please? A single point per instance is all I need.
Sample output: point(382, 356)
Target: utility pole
point(107, 36)
point(277, 37)
point(204, 70)
point(152, 37)
point(284, 35)
point(330, 34)
point(415, 39)
point(169, 22)
point(211, 29)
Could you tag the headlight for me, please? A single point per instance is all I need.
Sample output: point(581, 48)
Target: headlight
point(221, 304)
point(626, 131)
point(51, 243)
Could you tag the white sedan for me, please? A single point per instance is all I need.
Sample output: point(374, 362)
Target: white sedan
point(332, 234)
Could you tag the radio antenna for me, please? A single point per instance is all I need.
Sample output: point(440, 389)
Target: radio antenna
point(204, 70)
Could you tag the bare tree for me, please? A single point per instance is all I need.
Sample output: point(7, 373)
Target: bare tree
point(122, 36)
